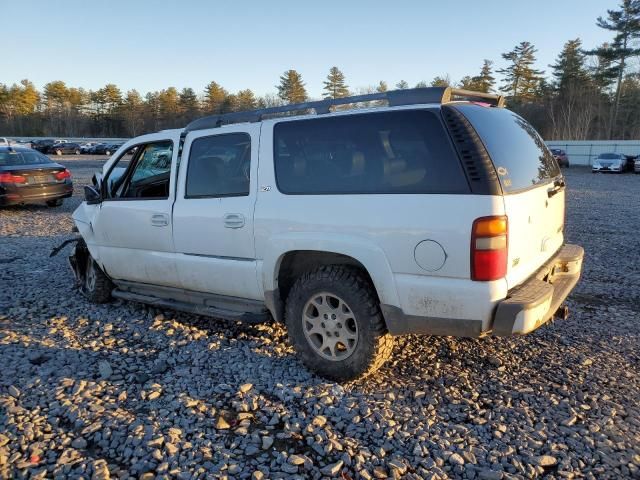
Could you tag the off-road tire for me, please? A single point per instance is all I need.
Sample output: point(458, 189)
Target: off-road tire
point(98, 290)
point(55, 203)
point(374, 344)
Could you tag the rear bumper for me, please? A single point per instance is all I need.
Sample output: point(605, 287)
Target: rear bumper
point(525, 308)
point(534, 303)
point(17, 195)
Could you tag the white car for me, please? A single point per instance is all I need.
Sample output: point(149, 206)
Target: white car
point(609, 162)
point(4, 142)
point(428, 216)
point(636, 165)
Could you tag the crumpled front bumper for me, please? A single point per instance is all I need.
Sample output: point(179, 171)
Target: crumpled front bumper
point(535, 302)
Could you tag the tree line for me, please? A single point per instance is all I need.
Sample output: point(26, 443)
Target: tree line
point(591, 93)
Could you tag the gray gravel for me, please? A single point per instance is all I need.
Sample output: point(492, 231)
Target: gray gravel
point(126, 391)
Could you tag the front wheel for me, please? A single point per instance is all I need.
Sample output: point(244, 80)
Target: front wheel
point(96, 286)
point(335, 324)
point(107, 152)
point(77, 152)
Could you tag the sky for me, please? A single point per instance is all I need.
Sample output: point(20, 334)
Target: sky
point(151, 45)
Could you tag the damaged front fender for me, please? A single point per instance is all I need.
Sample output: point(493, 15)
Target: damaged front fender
point(78, 261)
point(77, 258)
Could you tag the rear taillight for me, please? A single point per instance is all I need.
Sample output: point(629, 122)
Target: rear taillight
point(489, 243)
point(62, 175)
point(11, 178)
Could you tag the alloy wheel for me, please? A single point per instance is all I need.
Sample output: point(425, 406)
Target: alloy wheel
point(330, 326)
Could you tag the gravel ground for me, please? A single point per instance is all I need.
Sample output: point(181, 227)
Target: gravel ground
point(126, 391)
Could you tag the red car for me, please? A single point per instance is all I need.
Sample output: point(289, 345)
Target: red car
point(560, 156)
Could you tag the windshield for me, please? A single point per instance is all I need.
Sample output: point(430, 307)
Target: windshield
point(519, 154)
point(609, 156)
point(22, 158)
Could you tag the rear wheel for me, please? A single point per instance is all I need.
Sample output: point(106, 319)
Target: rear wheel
point(77, 152)
point(58, 152)
point(96, 286)
point(335, 325)
point(107, 152)
point(55, 203)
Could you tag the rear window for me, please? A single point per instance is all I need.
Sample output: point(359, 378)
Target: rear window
point(22, 158)
point(519, 154)
point(391, 152)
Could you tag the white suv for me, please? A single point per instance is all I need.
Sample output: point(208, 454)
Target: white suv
point(440, 214)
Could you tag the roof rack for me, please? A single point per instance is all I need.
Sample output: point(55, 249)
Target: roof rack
point(394, 98)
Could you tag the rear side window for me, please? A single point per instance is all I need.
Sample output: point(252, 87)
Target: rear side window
point(519, 154)
point(219, 166)
point(390, 152)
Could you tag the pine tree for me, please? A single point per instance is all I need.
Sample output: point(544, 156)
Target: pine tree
point(521, 79)
point(77, 98)
point(291, 88)
point(246, 100)
point(214, 96)
point(600, 72)
point(441, 81)
point(569, 68)
point(421, 84)
point(168, 102)
point(466, 83)
point(382, 87)
point(628, 118)
point(334, 85)
point(485, 81)
point(111, 96)
point(626, 25)
point(19, 99)
point(55, 94)
point(132, 109)
point(402, 85)
point(5, 101)
point(188, 102)
point(25, 97)
point(230, 104)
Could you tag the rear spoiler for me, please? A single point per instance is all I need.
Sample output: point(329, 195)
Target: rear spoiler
point(453, 94)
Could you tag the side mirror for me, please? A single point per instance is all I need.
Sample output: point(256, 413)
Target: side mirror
point(91, 195)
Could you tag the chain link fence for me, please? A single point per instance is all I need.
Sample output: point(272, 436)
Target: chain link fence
point(584, 152)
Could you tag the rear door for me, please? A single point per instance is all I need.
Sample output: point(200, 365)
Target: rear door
point(533, 187)
point(213, 212)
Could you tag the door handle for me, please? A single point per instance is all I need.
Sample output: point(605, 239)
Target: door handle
point(159, 219)
point(233, 220)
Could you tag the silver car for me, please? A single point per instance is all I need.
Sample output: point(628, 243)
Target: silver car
point(609, 162)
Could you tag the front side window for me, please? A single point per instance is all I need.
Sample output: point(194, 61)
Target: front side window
point(145, 176)
point(219, 166)
point(404, 151)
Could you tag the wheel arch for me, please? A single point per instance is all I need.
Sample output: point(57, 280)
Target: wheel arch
point(289, 257)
